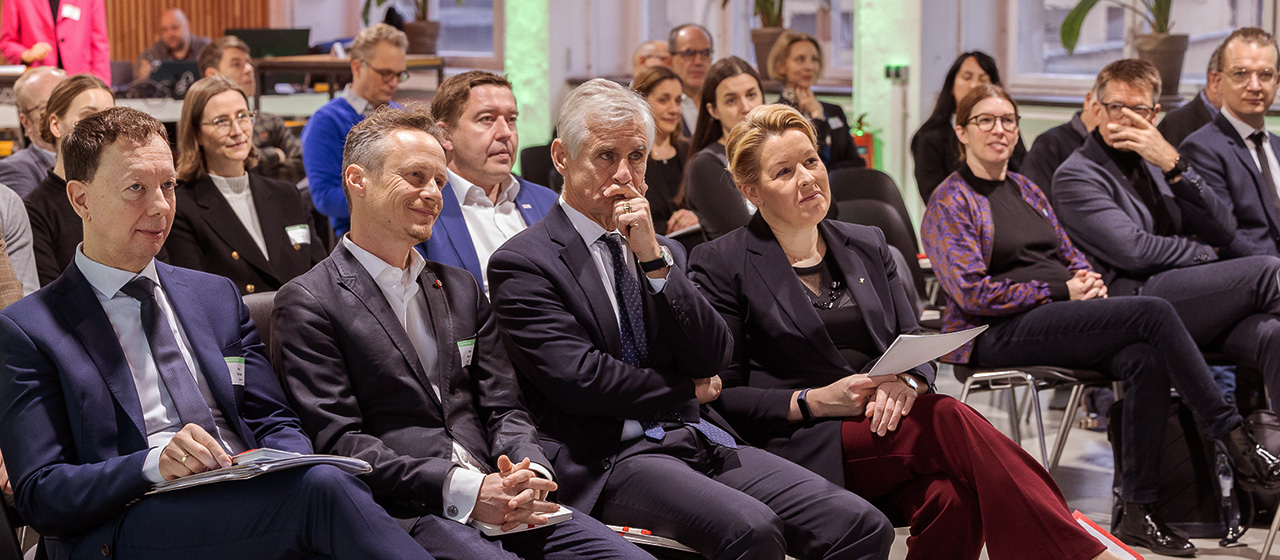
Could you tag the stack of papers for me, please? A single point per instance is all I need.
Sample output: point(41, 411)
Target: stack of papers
point(256, 462)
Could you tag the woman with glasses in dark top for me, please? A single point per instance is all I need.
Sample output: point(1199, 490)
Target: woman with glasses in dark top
point(254, 230)
point(934, 147)
point(731, 90)
point(1000, 254)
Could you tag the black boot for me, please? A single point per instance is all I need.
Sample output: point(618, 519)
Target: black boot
point(1257, 470)
point(1138, 526)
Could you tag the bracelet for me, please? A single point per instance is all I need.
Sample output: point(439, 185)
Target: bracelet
point(803, 402)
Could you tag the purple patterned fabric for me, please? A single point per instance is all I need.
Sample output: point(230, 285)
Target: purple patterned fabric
point(958, 234)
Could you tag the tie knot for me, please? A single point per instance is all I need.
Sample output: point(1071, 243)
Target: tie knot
point(1258, 138)
point(140, 288)
point(614, 241)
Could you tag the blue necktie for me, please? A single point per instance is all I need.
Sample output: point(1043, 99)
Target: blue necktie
point(177, 377)
point(635, 343)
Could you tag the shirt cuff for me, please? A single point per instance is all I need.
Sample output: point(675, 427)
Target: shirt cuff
point(657, 284)
point(541, 470)
point(461, 490)
point(151, 466)
point(1059, 291)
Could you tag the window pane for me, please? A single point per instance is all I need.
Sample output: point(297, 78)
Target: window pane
point(466, 29)
point(830, 22)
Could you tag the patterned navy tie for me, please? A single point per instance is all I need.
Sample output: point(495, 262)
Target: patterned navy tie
point(635, 343)
point(177, 377)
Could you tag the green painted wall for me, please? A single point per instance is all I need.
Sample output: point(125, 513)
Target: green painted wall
point(527, 65)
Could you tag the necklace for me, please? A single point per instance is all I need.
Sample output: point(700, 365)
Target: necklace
point(832, 296)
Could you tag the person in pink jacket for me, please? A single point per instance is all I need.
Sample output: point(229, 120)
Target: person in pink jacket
point(75, 38)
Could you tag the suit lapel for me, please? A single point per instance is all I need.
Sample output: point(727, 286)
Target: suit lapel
point(217, 213)
point(353, 277)
point(582, 268)
point(81, 309)
point(865, 288)
point(1095, 152)
point(454, 226)
point(529, 208)
point(776, 276)
point(279, 246)
point(441, 326)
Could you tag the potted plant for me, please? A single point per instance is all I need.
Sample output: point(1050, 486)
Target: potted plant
point(423, 34)
point(770, 14)
point(1161, 48)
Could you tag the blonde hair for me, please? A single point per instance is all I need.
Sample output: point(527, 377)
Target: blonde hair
point(782, 49)
point(747, 137)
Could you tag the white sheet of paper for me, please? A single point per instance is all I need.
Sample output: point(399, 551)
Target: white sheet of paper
point(911, 350)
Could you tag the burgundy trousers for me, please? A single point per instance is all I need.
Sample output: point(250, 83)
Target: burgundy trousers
point(958, 481)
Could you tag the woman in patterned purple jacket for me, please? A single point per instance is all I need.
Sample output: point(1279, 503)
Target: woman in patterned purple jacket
point(1001, 256)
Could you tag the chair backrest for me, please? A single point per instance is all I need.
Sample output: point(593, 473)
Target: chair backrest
point(896, 232)
point(10, 548)
point(535, 164)
point(260, 306)
point(873, 184)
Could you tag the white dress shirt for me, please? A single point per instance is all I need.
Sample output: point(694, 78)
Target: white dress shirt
point(360, 104)
point(591, 232)
point(403, 292)
point(159, 415)
point(689, 111)
point(490, 223)
point(1244, 130)
point(236, 191)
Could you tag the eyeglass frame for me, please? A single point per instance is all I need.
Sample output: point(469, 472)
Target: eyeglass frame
point(1116, 107)
point(691, 54)
point(1236, 77)
point(387, 75)
point(225, 128)
point(1001, 119)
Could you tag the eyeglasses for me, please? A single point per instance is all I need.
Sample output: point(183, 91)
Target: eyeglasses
point(243, 118)
point(37, 109)
point(1115, 111)
point(1240, 76)
point(388, 75)
point(692, 54)
point(987, 123)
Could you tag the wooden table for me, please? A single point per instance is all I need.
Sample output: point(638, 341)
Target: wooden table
point(332, 68)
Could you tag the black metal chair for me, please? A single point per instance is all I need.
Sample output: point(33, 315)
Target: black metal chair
point(536, 166)
point(897, 233)
point(10, 540)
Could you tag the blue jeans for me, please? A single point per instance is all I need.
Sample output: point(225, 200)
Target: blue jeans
point(1139, 340)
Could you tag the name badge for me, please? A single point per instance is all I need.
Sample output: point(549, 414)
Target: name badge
point(299, 234)
point(235, 366)
point(465, 350)
point(834, 122)
point(71, 12)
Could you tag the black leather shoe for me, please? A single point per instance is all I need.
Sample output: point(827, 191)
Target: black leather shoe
point(1138, 526)
point(1257, 470)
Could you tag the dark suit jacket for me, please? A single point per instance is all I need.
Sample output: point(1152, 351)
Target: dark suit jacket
point(563, 337)
point(1108, 221)
point(24, 170)
point(936, 152)
point(362, 391)
point(780, 343)
point(450, 241)
point(1050, 149)
point(207, 235)
point(835, 128)
point(1179, 123)
point(1222, 158)
point(74, 439)
point(56, 229)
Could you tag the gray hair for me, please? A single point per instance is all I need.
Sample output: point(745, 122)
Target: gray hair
point(366, 141)
point(601, 102)
point(366, 42)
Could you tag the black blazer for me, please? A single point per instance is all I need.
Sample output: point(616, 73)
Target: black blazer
point(1050, 149)
point(207, 235)
point(563, 338)
point(936, 152)
point(781, 344)
point(833, 130)
point(1179, 123)
point(56, 229)
point(361, 390)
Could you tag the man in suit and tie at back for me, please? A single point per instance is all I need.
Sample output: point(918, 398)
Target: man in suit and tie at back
point(1204, 107)
point(125, 372)
point(396, 360)
point(618, 352)
point(1235, 154)
point(484, 204)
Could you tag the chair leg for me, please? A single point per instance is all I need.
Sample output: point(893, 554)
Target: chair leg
point(1035, 404)
point(1271, 538)
point(1013, 416)
point(964, 392)
point(1068, 420)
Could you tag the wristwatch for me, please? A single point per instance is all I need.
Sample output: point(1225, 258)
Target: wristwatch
point(664, 260)
point(802, 400)
point(1180, 166)
point(910, 380)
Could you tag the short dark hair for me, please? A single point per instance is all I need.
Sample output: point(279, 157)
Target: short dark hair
point(707, 130)
point(945, 107)
point(82, 149)
point(61, 97)
point(452, 95)
point(211, 55)
point(675, 31)
point(364, 145)
point(1131, 71)
point(1247, 35)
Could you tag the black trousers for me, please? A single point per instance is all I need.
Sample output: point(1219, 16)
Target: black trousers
point(1137, 339)
point(738, 503)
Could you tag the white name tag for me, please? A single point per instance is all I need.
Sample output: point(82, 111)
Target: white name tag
point(834, 122)
point(299, 234)
point(71, 12)
point(465, 350)
point(235, 366)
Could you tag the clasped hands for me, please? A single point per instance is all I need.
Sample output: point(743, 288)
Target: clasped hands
point(514, 496)
point(884, 399)
point(1086, 285)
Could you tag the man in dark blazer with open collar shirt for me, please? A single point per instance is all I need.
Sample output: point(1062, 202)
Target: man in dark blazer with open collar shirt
point(401, 365)
point(618, 354)
point(1151, 226)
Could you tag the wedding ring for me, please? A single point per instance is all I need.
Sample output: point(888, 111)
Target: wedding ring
point(626, 208)
point(183, 460)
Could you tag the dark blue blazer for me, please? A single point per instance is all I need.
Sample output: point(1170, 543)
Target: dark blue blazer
point(780, 343)
point(562, 335)
point(74, 440)
point(450, 241)
point(1222, 158)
